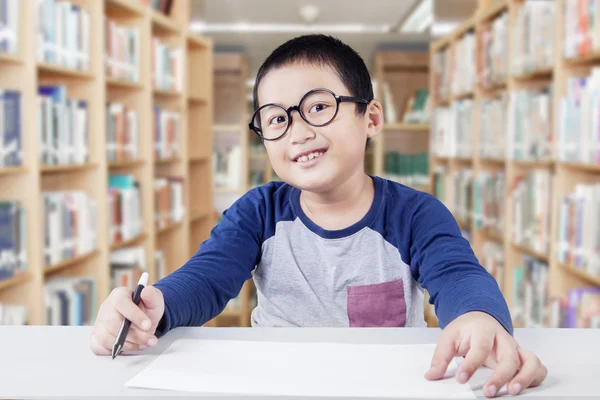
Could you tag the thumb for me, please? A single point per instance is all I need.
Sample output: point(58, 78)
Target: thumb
point(444, 353)
point(152, 298)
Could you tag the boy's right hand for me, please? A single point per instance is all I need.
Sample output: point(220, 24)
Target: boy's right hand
point(144, 320)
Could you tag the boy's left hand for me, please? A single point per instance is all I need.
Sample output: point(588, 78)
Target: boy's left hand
point(482, 340)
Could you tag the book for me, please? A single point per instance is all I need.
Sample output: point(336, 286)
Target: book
point(168, 200)
point(121, 50)
point(441, 70)
point(407, 169)
point(488, 201)
point(530, 297)
point(581, 28)
point(127, 265)
point(464, 69)
point(531, 201)
point(13, 314)
point(13, 239)
point(455, 191)
point(11, 135)
point(530, 125)
point(167, 133)
point(70, 225)
point(70, 301)
point(533, 37)
point(124, 208)
point(10, 14)
point(493, 127)
point(63, 34)
point(167, 66)
point(62, 127)
point(160, 264)
point(493, 260)
point(122, 133)
point(493, 52)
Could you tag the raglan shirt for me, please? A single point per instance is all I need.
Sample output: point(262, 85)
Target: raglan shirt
point(370, 274)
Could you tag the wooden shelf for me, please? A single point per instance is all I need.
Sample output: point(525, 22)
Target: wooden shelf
point(168, 160)
point(10, 59)
point(126, 7)
point(542, 73)
point(407, 127)
point(591, 58)
point(123, 84)
point(587, 277)
point(533, 253)
point(15, 280)
point(58, 169)
point(13, 170)
point(533, 164)
point(496, 161)
point(196, 99)
point(494, 10)
point(490, 234)
point(168, 228)
point(227, 128)
point(583, 167)
point(163, 24)
point(463, 96)
point(126, 164)
point(198, 215)
point(127, 243)
point(199, 159)
point(70, 263)
point(198, 42)
point(166, 93)
point(50, 69)
point(463, 224)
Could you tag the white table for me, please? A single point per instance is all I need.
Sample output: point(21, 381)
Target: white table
point(56, 362)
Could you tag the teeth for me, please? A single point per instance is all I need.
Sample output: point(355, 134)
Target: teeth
point(309, 156)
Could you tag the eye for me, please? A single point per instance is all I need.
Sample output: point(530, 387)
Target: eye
point(318, 107)
point(278, 119)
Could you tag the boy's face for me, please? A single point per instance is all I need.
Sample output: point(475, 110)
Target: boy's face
point(341, 143)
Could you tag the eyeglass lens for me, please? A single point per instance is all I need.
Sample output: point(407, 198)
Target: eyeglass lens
point(317, 109)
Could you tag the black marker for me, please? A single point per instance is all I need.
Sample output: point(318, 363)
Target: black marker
point(137, 297)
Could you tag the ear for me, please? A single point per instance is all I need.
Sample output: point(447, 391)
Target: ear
point(374, 118)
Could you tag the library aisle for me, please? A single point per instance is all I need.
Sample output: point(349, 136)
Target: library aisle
point(124, 136)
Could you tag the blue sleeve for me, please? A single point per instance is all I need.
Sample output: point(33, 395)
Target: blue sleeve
point(444, 264)
point(202, 287)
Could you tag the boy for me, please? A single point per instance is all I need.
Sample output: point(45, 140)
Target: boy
point(332, 246)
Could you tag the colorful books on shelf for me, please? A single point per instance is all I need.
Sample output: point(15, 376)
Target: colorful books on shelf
point(493, 127)
point(121, 51)
point(11, 131)
point(122, 133)
point(464, 69)
point(167, 131)
point(441, 74)
point(455, 190)
point(70, 301)
point(417, 108)
point(124, 208)
point(13, 239)
point(126, 266)
point(530, 297)
point(407, 169)
point(579, 123)
point(493, 54)
point(530, 125)
point(63, 36)
point(581, 28)
point(167, 66)
point(10, 13)
point(531, 202)
point(13, 314)
point(452, 130)
point(578, 241)
point(168, 200)
point(160, 264)
point(533, 36)
point(62, 127)
point(70, 225)
point(163, 6)
point(227, 166)
point(580, 308)
point(493, 260)
point(488, 204)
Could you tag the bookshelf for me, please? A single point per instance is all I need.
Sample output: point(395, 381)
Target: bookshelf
point(518, 190)
point(400, 150)
point(109, 76)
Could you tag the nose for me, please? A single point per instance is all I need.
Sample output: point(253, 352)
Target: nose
point(299, 130)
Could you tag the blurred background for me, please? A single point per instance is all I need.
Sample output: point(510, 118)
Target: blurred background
point(124, 136)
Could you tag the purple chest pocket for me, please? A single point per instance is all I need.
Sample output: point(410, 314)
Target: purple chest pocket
point(377, 305)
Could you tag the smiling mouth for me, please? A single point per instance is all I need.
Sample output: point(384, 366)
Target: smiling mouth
point(309, 156)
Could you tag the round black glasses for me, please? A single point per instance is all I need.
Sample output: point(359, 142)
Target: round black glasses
point(318, 108)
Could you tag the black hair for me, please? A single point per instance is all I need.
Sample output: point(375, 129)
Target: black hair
point(322, 50)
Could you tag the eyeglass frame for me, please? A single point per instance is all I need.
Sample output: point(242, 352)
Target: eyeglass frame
point(338, 100)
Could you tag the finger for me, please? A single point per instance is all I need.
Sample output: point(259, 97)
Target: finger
point(444, 353)
point(532, 373)
point(152, 297)
point(107, 340)
point(113, 325)
point(127, 308)
point(508, 365)
point(97, 348)
point(480, 347)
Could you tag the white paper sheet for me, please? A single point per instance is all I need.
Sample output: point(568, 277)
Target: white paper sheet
point(298, 369)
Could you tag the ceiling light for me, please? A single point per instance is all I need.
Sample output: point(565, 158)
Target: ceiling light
point(202, 27)
point(419, 19)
